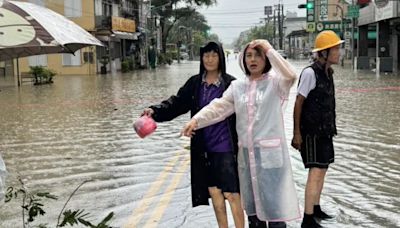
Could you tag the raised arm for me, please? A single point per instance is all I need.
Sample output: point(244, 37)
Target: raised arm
point(285, 71)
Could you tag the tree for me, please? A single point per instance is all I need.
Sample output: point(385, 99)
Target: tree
point(258, 32)
point(171, 11)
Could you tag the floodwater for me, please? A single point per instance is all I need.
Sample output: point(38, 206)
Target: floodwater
point(80, 129)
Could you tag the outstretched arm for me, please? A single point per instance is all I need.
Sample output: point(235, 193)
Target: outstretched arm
point(172, 107)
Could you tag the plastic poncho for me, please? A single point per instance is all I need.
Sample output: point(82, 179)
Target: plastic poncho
point(266, 182)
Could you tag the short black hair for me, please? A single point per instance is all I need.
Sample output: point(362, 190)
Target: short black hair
point(260, 51)
point(217, 48)
point(211, 46)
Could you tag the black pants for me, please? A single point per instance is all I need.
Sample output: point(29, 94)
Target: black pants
point(254, 222)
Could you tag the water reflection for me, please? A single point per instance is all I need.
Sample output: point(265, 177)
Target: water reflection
point(79, 128)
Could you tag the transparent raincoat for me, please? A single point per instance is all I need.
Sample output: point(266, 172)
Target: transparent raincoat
point(265, 173)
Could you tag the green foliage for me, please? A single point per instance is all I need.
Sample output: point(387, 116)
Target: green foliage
point(258, 32)
point(105, 60)
point(42, 74)
point(32, 204)
point(171, 13)
point(125, 66)
point(165, 58)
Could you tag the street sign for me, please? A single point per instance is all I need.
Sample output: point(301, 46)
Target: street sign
point(310, 27)
point(333, 25)
point(320, 27)
point(353, 11)
point(267, 10)
point(347, 44)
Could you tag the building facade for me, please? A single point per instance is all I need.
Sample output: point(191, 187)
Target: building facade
point(111, 21)
point(379, 36)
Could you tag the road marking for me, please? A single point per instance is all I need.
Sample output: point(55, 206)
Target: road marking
point(167, 196)
point(148, 198)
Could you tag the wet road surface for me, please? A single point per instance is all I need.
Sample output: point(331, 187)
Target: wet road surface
point(80, 128)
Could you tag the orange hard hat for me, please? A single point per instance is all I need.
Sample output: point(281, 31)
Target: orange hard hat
point(326, 39)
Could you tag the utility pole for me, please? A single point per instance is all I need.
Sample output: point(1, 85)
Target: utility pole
point(352, 40)
point(279, 26)
point(273, 38)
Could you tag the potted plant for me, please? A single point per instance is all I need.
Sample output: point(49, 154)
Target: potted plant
point(104, 61)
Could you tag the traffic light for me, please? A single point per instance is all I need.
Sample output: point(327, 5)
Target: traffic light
point(309, 5)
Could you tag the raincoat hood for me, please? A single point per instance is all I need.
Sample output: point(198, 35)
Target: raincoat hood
point(214, 46)
point(241, 60)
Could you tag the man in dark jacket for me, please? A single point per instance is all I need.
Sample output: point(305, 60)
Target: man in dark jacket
point(213, 150)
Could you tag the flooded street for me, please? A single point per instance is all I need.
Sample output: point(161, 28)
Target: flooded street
point(80, 128)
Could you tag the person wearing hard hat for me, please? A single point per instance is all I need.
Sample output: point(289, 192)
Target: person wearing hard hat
point(315, 122)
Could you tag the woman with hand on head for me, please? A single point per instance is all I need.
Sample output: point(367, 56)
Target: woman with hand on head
point(265, 175)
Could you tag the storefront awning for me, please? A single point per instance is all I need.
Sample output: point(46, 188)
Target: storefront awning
point(126, 35)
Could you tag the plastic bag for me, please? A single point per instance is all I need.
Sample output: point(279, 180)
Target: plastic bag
point(3, 173)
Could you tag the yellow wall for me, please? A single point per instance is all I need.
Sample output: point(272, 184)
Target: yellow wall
point(87, 21)
point(54, 61)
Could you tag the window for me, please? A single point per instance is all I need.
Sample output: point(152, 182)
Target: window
point(98, 8)
point(37, 2)
point(73, 8)
point(107, 8)
point(37, 60)
point(72, 60)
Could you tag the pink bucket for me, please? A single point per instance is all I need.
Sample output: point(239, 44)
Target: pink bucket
point(144, 126)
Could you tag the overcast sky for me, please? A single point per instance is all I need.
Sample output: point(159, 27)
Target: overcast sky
point(230, 17)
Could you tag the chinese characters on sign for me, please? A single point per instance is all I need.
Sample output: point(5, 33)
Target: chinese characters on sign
point(323, 14)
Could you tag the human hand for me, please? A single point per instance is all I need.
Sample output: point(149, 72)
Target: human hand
point(297, 141)
point(264, 44)
point(148, 112)
point(189, 128)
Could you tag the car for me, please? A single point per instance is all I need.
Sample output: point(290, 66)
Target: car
point(282, 53)
point(184, 56)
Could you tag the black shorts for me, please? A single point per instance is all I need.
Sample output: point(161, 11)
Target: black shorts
point(317, 151)
point(222, 171)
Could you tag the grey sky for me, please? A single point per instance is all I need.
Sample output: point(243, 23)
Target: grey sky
point(230, 17)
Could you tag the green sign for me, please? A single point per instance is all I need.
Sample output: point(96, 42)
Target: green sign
point(353, 11)
point(333, 25)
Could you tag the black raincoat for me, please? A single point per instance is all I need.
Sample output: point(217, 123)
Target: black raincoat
point(187, 99)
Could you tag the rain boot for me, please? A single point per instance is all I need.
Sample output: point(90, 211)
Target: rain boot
point(309, 222)
point(319, 214)
point(254, 222)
